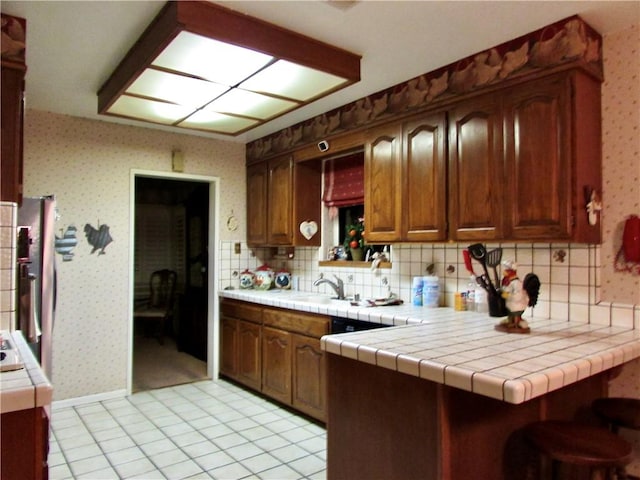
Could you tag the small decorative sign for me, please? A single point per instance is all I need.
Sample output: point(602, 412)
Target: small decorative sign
point(308, 229)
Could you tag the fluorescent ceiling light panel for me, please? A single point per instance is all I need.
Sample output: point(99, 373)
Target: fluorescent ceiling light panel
point(185, 91)
point(202, 66)
point(217, 122)
point(242, 102)
point(210, 59)
point(293, 81)
point(149, 110)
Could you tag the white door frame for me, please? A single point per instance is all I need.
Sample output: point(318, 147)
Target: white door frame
point(212, 267)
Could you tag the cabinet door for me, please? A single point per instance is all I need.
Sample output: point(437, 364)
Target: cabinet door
point(229, 346)
point(257, 177)
point(383, 184)
point(307, 201)
point(538, 170)
point(276, 364)
point(24, 444)
point(425, 172)
point(280, 202)
point(12, 119)
point(249, 357)
point(476, 171)
point(309, 376)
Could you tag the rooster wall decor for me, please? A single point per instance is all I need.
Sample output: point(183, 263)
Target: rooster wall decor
point(98, 238)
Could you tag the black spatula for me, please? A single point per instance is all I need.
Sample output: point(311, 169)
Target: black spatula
point(494, 257)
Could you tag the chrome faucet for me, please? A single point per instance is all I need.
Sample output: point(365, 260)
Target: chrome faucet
point(338, 285)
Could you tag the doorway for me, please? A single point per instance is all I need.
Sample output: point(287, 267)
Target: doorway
point(172, 229)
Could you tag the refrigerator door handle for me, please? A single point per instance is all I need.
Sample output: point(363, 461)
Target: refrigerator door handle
point(29, 324)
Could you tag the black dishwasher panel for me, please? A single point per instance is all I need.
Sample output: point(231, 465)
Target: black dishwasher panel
point(344, 325)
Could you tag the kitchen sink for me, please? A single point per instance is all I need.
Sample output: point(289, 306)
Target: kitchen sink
point(321, 300)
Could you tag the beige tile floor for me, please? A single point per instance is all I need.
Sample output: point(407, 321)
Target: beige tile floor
point(202, 430)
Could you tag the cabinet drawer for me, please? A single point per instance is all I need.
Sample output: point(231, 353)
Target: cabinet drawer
point(304, 323)
point(241, 310)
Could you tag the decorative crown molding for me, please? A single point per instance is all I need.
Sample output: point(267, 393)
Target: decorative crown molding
point(566, 41)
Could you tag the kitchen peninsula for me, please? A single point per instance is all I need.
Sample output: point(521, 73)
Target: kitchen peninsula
point(443, 394)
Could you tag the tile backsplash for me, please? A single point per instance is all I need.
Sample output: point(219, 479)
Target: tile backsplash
point(569, 273)
point(8, 223)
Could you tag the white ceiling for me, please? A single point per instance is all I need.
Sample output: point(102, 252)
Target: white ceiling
point(72, 47)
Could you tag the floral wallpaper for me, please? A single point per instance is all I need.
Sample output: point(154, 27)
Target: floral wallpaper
point(87, 164)
point(621, 156)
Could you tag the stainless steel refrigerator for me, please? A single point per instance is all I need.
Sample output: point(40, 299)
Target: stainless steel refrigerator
point(37, 275)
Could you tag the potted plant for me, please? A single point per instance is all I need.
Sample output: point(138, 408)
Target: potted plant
point(354, 239)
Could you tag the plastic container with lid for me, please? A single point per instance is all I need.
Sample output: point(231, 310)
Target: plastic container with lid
point(430, 292)
point(416, 291)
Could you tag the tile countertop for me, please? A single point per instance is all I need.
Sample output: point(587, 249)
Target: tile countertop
point(25, 388)
point(463, 350)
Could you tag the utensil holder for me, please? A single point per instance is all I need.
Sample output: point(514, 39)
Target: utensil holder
point(497, 306)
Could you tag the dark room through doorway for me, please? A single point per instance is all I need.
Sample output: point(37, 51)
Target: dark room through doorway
point(171, 233)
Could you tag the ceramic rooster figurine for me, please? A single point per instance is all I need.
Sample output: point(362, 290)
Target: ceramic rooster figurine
point(518, 295)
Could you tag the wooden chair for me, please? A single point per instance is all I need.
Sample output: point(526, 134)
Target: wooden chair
point(159, 306)
point(575, 443)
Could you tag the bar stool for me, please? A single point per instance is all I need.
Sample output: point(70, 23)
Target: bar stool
point(578, 444)
point(619, 412)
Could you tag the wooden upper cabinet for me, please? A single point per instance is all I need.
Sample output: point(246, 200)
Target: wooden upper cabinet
point(12, 127)
point(383, 184)
point(280, 201)
point(281, 195)
point(257, 180)
point(476, 170)
point(538, 169)
point(307, 201)
point(12, 107)
point(425, 175)
point(405, 181)
point(517, 163)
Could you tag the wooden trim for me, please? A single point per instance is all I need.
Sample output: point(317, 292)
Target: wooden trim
point(152, 41)
point(227, 25)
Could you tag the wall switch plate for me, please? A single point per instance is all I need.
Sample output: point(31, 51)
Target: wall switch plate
point(177, 161)
point(236, 248)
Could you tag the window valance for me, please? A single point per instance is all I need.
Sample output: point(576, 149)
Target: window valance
point(343, 182)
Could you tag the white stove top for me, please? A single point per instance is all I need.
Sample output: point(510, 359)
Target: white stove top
point(10, 358)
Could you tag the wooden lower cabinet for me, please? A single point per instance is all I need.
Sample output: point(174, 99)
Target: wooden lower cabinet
point(249, 362)
point(308, 376)
point(229, 346)
point(240, 345)
point(24, 444)
point(276, 352)
point(276, 364)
